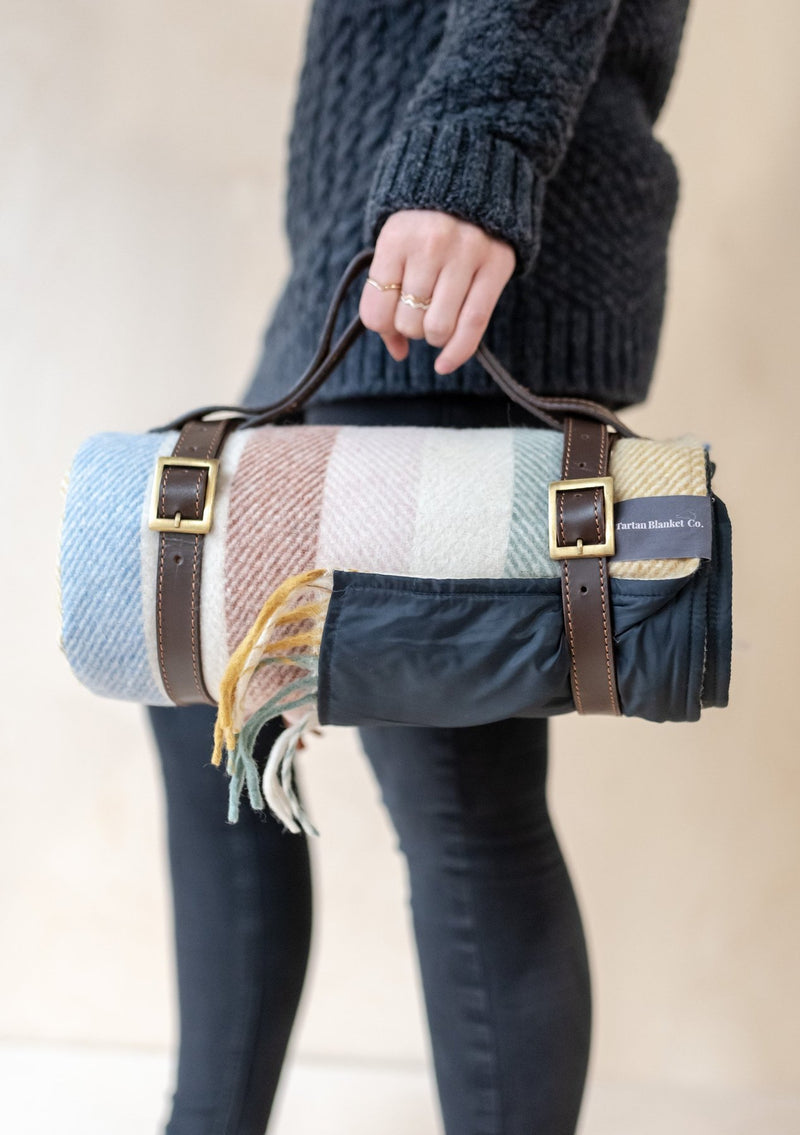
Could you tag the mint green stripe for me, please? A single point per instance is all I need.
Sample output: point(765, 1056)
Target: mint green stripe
point(537, 461)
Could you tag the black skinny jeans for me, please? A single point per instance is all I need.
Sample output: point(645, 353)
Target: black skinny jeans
point(498, 931)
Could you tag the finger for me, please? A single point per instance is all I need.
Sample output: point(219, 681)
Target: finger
point(419, 285)
point(381, 292)
point(377, 304)
point(473, 319)
point(452, 286)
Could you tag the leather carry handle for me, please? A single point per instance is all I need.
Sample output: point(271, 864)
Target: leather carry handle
point(327, 358)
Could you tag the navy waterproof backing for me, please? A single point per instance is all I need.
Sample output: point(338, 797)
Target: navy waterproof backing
point(458, 652)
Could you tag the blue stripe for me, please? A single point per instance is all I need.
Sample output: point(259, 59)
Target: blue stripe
point(101, 583)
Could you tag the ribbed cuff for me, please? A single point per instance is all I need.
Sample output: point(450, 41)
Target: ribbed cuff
point(462, 170)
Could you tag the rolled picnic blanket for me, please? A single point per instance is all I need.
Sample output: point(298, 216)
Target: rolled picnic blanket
point(394, 574)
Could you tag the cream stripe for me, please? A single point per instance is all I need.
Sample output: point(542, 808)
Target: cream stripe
point(464, 509)
point(213, 623)
point(149, 550)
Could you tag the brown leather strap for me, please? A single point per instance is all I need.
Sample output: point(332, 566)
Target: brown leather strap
point(183, 494)
point(581, 523)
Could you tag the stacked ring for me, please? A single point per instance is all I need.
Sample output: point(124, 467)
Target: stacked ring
point(415, 301)
point(384, 287)
point(407, 298)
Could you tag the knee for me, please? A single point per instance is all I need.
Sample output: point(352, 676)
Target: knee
point(481, 788)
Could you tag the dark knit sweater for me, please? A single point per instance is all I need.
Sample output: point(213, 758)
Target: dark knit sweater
point(530, 118)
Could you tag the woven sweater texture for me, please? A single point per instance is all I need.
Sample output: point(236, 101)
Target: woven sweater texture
point(531, 118)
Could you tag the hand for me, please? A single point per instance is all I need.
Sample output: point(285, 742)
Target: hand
point(436, 256)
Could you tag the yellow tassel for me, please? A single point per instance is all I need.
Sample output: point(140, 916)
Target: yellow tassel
point(307, 638)
point(224, 733)
point(219, 741)
point(304, 611)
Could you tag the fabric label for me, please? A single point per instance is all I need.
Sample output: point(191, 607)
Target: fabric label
point(663, 528)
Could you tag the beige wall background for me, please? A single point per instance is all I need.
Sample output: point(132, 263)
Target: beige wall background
point(143, 149)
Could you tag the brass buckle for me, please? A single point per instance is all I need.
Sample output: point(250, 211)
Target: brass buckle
point(178, 523)
point(573, 551)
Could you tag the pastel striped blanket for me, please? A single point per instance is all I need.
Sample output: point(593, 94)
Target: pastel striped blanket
point(307, 514)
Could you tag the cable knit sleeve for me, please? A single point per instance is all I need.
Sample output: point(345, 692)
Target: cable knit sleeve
point(490, 120)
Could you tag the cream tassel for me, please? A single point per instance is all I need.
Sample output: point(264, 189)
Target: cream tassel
point(278, 779)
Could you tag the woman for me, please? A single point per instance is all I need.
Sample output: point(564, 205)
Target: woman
point(499, 155)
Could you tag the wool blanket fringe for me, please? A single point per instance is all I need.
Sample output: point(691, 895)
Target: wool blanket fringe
point(266, 644)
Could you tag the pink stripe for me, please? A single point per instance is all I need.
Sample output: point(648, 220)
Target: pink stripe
point(275, 505)
point(370, 501)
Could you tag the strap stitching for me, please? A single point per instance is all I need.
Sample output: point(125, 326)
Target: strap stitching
point(211, 444)
point(193, 595)
point(602, 568)
point(195, 580)
point(598, 492)
point(576, 689)
point(162, 662)
point(609, 673)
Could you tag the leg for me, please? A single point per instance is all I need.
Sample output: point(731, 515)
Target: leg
point(498, 931)
point(242, 914)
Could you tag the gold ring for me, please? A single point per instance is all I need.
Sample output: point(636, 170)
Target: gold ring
point(384, 287)
point(415, 301)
